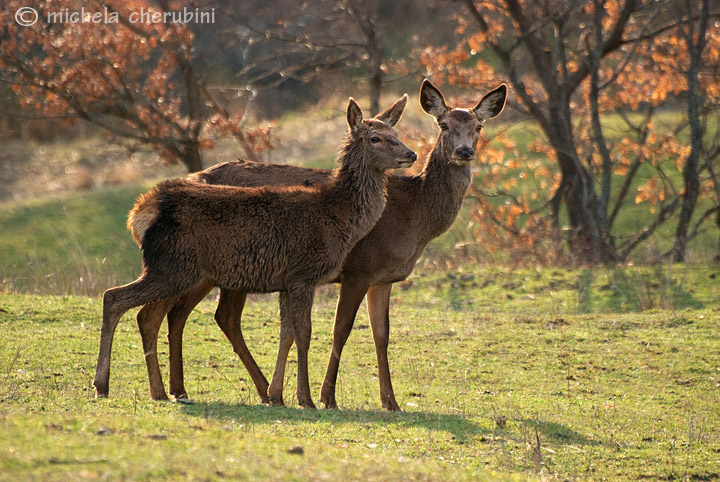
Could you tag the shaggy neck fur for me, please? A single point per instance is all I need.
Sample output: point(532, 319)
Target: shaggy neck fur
point(365, 185)
point(444, 185)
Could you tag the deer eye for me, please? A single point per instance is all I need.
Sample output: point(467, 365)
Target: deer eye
point(478, 128)
point(375, 139)
point(443, 126)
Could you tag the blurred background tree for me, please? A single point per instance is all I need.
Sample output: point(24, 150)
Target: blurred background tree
point(575, 66)
point(612, 135)
point(135, 80)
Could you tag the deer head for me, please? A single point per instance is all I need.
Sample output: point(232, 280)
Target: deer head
point(378, 137)
point(460, 128)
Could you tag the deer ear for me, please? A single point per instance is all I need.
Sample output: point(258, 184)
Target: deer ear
point(492, 104)
point(392, 114)
point(354, 115)
point(431, 99)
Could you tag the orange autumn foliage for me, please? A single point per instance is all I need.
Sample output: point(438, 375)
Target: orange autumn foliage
point(516, 185)
point(133, 79)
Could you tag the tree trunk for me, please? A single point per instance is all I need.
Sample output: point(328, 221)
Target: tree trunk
point(191, 158)
point(375, 87)
point(690, 170)
point(374, 50)
point(375, 72)
point(692, 186)
point(588, 240)
point(190, 151)
point(716, 258)
point(716, 184)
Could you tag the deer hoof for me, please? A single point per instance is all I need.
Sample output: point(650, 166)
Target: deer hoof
point(391, 405)
point(327, 396)
point(183, 399)
point(308, 404)
point(330, 403)
point(100, 392)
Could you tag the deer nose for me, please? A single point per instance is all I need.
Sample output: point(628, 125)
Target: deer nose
point(464, 152)
point(411, 156)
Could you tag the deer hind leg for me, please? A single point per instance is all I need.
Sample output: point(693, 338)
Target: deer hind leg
point(177, 316)
point(116, 302)
point(149, 319)
point(378, 305)
point(351, 295)
point(229, 318)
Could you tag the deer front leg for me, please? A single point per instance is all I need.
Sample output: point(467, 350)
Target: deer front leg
point(378, 305)
point(149, 319)
point(351, 295)
point(295, 308)
point(229, 318)
point(177, 317)
point(287, 338)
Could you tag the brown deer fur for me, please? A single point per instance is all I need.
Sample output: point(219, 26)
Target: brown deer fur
point(419, 209)
point(287, 239)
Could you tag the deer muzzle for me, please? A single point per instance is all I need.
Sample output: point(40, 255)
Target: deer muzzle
point(408, 160)
point(463, 155)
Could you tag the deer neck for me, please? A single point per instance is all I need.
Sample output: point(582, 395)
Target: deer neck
point(362, 188)
point(444, 186)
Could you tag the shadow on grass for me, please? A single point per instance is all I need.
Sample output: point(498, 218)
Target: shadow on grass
point(458, 426)
point(634, 290)
point(558, 433)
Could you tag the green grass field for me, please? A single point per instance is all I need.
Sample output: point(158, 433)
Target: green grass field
point(78, 244)
point(75, 243)
point(503, 375)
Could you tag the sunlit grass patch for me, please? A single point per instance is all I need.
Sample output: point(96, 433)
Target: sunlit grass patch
point(495, 371)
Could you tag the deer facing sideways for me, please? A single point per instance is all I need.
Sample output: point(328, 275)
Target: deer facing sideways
point(419, 208)
point(286, 239)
